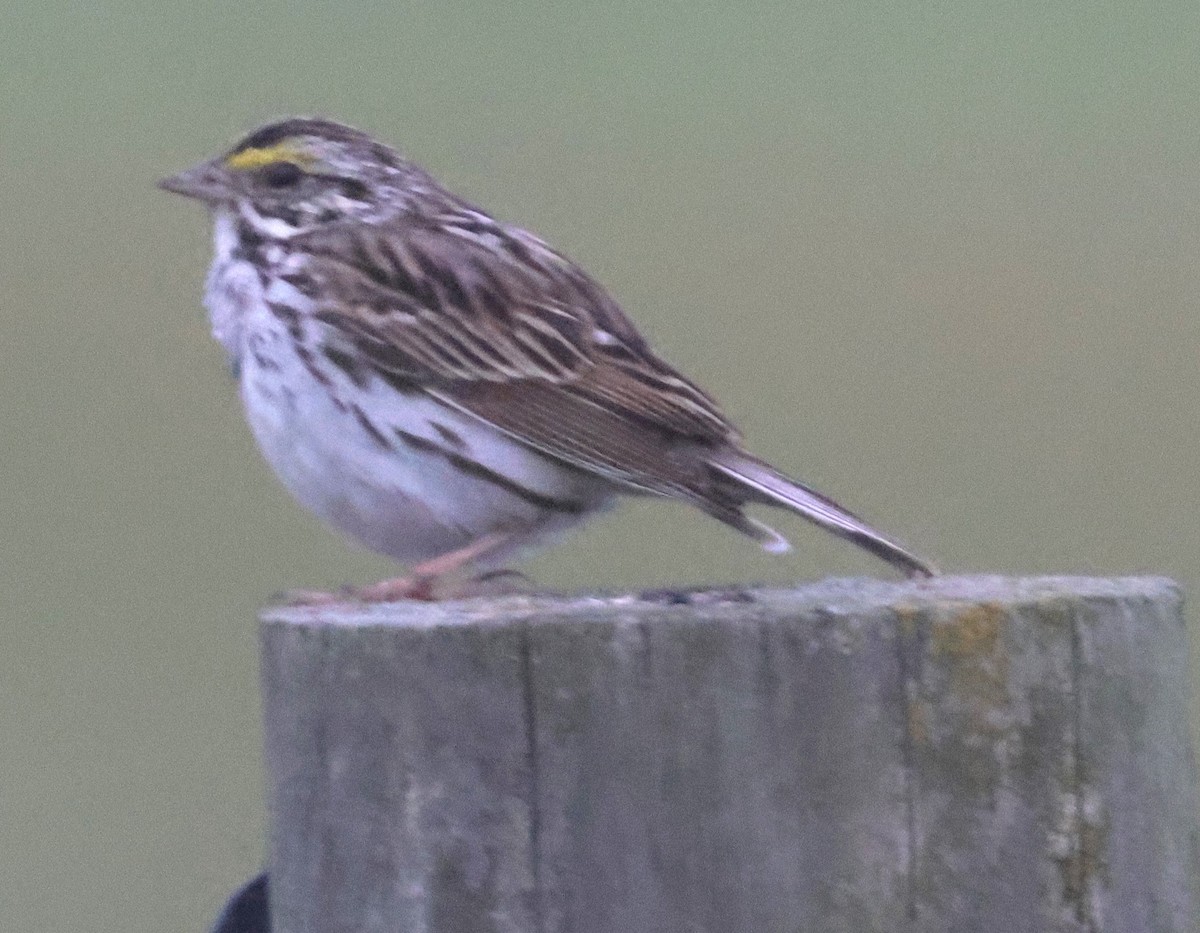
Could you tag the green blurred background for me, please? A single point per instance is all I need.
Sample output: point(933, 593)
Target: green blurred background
point(937, 258)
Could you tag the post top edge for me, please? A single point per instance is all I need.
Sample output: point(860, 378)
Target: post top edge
point(834, 594)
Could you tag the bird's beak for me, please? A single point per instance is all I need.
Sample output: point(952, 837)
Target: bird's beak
point(205, 182)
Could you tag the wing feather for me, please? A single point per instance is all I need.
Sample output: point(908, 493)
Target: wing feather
point(481, 312)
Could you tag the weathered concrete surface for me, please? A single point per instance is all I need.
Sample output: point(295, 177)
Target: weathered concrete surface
point(966, 754)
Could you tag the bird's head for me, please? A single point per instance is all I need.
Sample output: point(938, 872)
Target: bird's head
point(301, 173)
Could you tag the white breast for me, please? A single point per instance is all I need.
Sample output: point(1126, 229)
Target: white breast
point(376, 463)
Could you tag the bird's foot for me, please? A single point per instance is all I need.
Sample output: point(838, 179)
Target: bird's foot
point(416, 587)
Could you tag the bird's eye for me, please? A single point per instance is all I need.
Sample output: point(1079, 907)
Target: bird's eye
point(282, 174)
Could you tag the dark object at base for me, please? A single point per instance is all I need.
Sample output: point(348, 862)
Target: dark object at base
point(248, 910)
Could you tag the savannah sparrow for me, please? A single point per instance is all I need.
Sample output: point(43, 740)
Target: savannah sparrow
point(445, 387)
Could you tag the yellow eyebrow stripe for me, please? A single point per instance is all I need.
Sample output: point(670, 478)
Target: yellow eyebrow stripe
point(268, 155)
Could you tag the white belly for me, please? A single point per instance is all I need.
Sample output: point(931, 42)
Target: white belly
point(379, 464)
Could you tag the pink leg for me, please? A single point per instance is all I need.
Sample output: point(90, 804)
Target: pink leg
point(422, 583)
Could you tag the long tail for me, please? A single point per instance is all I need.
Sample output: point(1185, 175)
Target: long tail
point(761, 482)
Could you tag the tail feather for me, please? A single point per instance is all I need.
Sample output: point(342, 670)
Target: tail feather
point(760, 482)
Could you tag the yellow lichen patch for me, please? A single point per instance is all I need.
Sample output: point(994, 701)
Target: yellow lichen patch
point(970, 646)
point(973, 633)
point(258, 157)
point(908, 616)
